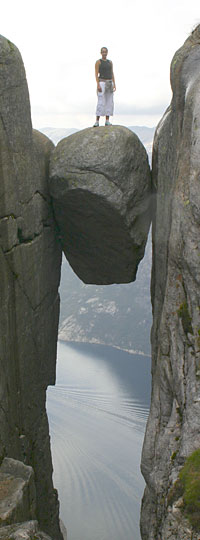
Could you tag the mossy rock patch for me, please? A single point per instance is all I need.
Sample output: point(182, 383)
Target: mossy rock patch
point(190, 479)
point(187, 486)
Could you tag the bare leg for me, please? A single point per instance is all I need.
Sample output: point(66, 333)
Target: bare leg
point(107, 123)
point(97, 122)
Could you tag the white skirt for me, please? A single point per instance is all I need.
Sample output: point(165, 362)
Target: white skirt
point(105, 104)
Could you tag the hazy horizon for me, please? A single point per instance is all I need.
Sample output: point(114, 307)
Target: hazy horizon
point(59, 44)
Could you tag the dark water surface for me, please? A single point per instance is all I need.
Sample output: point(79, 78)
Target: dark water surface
point(97, 413)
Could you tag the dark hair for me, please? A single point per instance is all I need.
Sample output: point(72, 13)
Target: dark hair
point(104, 48)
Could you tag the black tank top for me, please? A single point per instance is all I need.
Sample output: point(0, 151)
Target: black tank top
point(105, 69)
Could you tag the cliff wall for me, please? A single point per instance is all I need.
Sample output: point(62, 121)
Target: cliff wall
point(30, 258)
point(101, 189)
point(173, 429)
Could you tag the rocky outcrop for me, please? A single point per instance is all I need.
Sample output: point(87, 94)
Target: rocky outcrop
point(23, 531)
point(173, 429)
point(17, 492)
point(30, 258)
point(100, 185)
point(18, 502)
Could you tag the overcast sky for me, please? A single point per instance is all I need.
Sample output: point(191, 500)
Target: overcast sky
point(60, 42)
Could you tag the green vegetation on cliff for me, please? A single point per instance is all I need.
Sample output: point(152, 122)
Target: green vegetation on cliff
point(187, 486)
point(190, 480)
point(184, 315)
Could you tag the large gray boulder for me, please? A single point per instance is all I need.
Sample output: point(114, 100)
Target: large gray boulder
point(18, 502)
point(30, 258)
point(17, 492)
point(27, 530)
point(173, 429)
point(101, 190)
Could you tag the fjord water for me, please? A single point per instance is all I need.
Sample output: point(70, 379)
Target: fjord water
point(97, 414)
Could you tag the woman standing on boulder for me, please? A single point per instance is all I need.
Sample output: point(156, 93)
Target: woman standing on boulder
point(105, 87)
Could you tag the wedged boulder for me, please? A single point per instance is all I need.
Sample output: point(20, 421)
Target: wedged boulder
point(101, 189)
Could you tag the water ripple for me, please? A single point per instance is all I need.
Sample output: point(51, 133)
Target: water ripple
point(97, 430)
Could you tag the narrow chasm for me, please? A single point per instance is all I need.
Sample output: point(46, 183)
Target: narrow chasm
point(100, 186)
point(99, 407)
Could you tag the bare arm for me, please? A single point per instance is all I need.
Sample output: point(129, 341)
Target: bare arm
point(113, 79)
point(97, 75)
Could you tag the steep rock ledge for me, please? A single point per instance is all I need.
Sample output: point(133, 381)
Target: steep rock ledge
point(173, 429)
point(29, 308)
point(18, 502)
point(101, 189)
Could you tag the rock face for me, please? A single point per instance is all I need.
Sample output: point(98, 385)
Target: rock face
point(100, 184)
point(30, 258)
point(173, 429)
point(106, 225)
point(23, 531)
point(17, 492)
point(18, 502)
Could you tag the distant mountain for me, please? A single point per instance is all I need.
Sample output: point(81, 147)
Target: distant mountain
point(117, 315)
point(56, 134)
point(146, 135)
